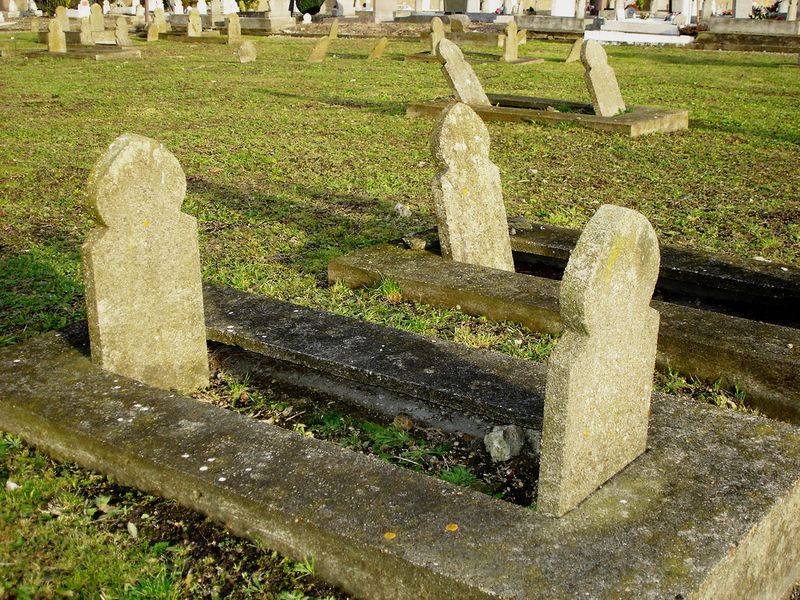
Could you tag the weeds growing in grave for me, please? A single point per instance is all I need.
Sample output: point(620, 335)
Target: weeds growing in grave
point(715, 393)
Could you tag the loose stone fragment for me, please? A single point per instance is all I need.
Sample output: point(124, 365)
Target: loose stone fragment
point(144, 300)
point(601, 80)
point(510, 45)
point(195, 27)
point(459, 74)
point(234, 29)
point(467, 195)
point(121, 33)
point(247, 52)
point(378, 49)
point(56, 40)
point(600, 375)
point(575, 51)
point(437, 34)
point(320, 50)
point(504, 443)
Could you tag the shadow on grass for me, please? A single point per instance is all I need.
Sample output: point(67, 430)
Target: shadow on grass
point(388, 108)
point(711, 60)
point(750, 130)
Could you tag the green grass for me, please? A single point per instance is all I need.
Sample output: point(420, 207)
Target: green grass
point(291, 164)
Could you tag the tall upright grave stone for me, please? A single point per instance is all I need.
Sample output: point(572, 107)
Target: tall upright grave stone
point(195, 27)
point(459, 74)
point(56, 40)
point(96, 18)
point(234, 29)
point(437, 34)
point(61, 17)
point(467, 196)
point(121, 33)
point(600, 375)
point(601, 80)
point(511, 43)
point(144, 299)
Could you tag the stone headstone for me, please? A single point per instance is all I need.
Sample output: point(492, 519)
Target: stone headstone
point(84, 9)
point(96, 17)
point(510, 46)
point(106, 7)
point(680, 20)
point(202, 7)
point(437, 34)
point(13, 9)
point(56, 40)
point(522, 37)
point(320, 50)
point(195, 27)
point(456, 26)
point(35, 24)
point(467, 195)
point(61, 17)
point(121, 33)
point(229, 7)
point(334, 30)
point(216, 11)
point(86, 35)
point(459, 74)
point(152, 32)
point(791, 14)
point(575, 51)
point(742, 9)
point(247, 52)
point(601, 80)
point(706, 11)
point(383, 11)
point(600, 375)
point(234, 29)
point(144, 297)
point(378, 49)
point(306, 19)
point(160, 21)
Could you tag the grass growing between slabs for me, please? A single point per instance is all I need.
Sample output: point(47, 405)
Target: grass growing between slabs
point(290, 164)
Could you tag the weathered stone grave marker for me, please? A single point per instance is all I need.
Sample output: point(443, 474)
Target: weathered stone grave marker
point(333, 33)
point(195, 27)
point(378, 49)
point(456, 25)
point(247, 52)
point(601, 80)
point(160, 21)
point(62, 18)
point(467, 195)
point(234, 29)
point(437, 34)
point(459, 74)
point(96, 17)
point(320, 50)
point(600, 375)
point(510, 45)
point(56, 40)
point(121, 33)
point(144, 298)
point(152, 32)
point(575, 52)
point(86, 34)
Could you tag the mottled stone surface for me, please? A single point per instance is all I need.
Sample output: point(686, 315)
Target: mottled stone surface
point(575, 52)
point(320, 50)
point(160, 21)
point(522, 37)
point(195, 27)
point(601, 80)
point(437, 34)
point(56, 40)
point(709, 512)
point(96, 17)
point(459, 74)
point(121, 33)
point(234, 29)
point(456, 26)
point(247, 52)
point(510, 43)
point(152, 32)
point(467, 195)
point(600, 374)
point(504, 442)
point(791, 15)
point(61, 17)
point(378, 49)
point(35, 24)
point(86, 37)
point(333, 32)
point(144, 299)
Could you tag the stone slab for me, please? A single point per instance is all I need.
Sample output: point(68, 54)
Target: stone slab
point(708, 512)
point(761, 358)
point(91, 53)
point(208, 37)
point(747, 42)
point(638, 39)
point(770, 27)
point(546, 23)
point(640, 120)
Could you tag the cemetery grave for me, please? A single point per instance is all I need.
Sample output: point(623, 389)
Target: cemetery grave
point(607, 112)
point(232, 216)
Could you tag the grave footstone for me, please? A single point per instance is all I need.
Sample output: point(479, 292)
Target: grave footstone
point(121, 33)
point(575, 52)
point(437, 34)
point(86, 34)
point(152, 32)
point(334, 30)
point(144, 300)
point(459, 74)
point(234, 29)
point(61, 17)
point(510, 46)
point(378, 49)
point(96, 17)
point(56, 40)
point(247, 52)
point(600, 375)
point(601, 80)
point(195, 27)
point(467, 195)
point(320, 50)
